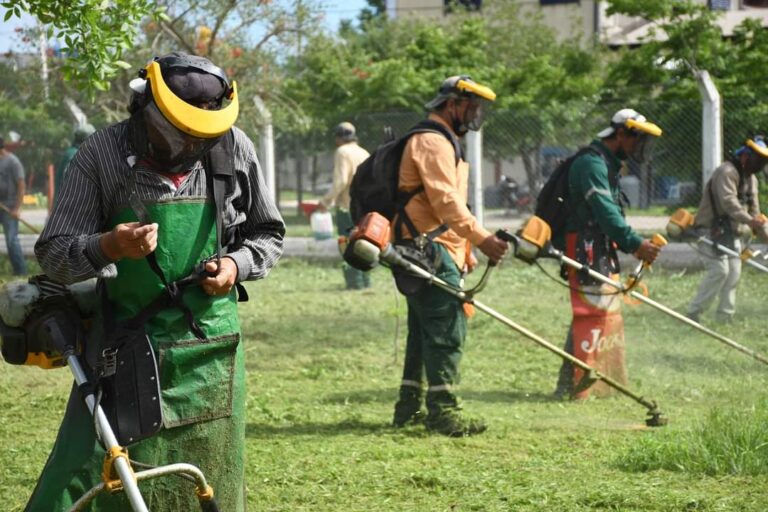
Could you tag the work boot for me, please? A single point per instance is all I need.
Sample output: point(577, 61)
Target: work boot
point(355, 279)
point(408, 409)
point(564, 387)
point(723, 318)
point(445, 417)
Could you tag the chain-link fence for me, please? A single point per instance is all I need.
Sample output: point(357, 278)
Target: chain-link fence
point(524, 147)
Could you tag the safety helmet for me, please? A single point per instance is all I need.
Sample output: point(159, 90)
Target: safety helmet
point(179, 98)
point(756, 150)
point(345, 131)
point(637, 125)
point(463, 87)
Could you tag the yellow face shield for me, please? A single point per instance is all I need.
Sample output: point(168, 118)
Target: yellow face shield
point(479, 90)
point(760, 150)
point(194, 121)
point(644, 127)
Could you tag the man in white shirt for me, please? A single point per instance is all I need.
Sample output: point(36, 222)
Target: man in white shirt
point(346, 159)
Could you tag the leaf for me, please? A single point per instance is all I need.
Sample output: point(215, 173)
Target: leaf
point(8, 15)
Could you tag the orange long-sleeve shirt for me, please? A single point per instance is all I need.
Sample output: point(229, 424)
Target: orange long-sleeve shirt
point(429, 160)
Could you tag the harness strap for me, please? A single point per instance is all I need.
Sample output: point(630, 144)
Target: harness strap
point(171, 296)
point(403, 197)
point(221, 181)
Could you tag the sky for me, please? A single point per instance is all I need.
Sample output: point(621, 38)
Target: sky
point(335, 11)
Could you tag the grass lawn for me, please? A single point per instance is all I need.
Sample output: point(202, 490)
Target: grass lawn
point(323, 370)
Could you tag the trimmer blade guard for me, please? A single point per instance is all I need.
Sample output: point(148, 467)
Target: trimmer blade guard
point(656, 419)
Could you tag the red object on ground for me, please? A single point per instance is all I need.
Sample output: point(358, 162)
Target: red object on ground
point(308, 207)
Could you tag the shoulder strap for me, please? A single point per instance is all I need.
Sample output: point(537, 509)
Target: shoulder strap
point(430, 126)
point(583, 151)
point(403, 198)
point(220, 172)
point(715, 209)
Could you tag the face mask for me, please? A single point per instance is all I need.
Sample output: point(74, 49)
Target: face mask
point(643, 148)
point(473, 117)
point(171, 149)
point(755, 163)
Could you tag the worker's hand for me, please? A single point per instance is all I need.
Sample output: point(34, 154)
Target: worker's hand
point(471, 261)
point(129, 240)
point(16, 212)
point(494, 247)
point(647, 251)
point(225, 277)
point(321, 208)
point(757, 222)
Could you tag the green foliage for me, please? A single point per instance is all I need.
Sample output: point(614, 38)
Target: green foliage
point(732, 440)
point(96, 33)
point(384, 66)
point(42, 134)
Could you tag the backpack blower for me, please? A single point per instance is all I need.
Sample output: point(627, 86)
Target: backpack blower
point(369, 244)
point(43, 323)
point(547, 251)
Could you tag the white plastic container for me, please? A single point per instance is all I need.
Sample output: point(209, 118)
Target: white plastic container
point(322, 225)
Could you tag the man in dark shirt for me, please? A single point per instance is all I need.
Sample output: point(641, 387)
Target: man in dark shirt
point(12, 188)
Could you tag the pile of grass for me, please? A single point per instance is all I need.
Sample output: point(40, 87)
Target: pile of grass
point(729, 441)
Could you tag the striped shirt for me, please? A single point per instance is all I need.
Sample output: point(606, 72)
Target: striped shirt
point(98, 185)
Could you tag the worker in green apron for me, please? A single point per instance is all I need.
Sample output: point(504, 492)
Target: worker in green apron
point(169, 210)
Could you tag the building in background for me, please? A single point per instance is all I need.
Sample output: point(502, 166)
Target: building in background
point(587, 19)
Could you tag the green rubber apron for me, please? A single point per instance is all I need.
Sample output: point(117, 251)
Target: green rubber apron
point(202, 382)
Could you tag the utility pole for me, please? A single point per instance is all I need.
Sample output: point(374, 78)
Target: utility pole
point(43, 58)
point(299, 152)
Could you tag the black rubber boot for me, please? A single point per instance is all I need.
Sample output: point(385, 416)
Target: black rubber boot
point(408, 410)
point(445, 416)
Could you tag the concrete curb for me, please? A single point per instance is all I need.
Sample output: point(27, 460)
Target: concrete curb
point(674, 256)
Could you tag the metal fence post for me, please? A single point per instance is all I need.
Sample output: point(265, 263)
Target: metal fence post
point(475, 158)
point(267, 145)
point(711, 126)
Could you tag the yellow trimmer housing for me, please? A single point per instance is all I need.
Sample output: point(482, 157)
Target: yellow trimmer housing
point(536, 231)
point(681, 220)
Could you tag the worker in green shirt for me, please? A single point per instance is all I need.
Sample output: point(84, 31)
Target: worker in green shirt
point(595, 229)
point(79, 135)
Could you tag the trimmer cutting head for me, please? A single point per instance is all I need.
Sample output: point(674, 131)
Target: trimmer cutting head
point(656, 418)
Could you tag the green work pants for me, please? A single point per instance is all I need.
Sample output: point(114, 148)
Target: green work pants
point(437, 327)
point(355, 279)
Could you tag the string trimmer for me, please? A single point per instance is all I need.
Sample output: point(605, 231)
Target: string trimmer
point(680, 226)
point(548, 251)
point(42, 325)
point(369, 244)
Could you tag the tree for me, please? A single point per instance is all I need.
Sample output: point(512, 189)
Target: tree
point(663, 70)
point(95, 33)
